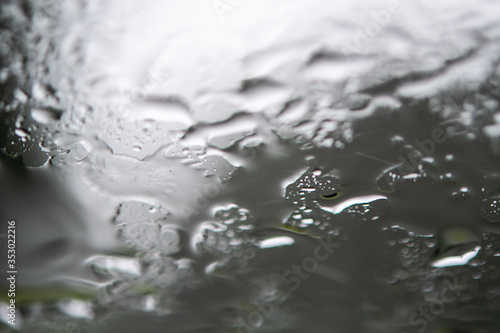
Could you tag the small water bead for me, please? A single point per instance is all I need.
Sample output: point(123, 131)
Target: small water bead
point(339, 145)
point(477, 275)
point(308, 221)
point(168, 240)
point(400, 274)
point(21, 133)
point(210, 239)
point(223, 242)
point(463, 193)
point(404, 240)
point(244, 227)
point(114, 266)
point(477, 262)
point(397, 140)
point(236, 242)
point(19, 121)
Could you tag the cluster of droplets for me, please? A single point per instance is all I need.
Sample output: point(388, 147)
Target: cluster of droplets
point(143, 226)
point(467, 112)
point(312, 195)
point(413, 252)
point(443, 274)
point(489, 206)
point(329, 127)
point(138, 138)
point(16, 136)
point(229, 241)
point(25, 136)
point(318, 113)
point(304, 194)
point(30, 110)
point(415, 167)
point(149, 280)
point(213, 165)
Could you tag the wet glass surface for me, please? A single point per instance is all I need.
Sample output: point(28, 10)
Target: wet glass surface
point(237, 166)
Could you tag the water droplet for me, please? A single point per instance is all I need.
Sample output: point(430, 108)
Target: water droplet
point(21, 133)
point(19, 121)
point(168, 240)
point(308, 221)
point(357, 101)
point(45, 116)
point(397, 140)
point(477, 275)
point(114, 266)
